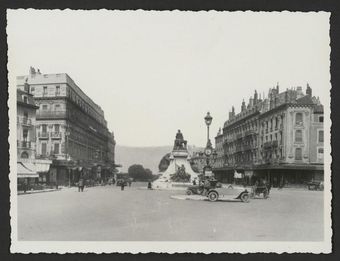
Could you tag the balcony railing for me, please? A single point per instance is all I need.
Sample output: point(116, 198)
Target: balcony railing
point(24, 121)
point(249, 132)
point(270, 144)
point(239, 136)
point(56, 135)
point(41, 114)
point(24, 144)
point(43, 135)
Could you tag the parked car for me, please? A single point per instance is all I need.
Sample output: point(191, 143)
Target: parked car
point(228, 192)
point(315, 185)
point(194, 189)
point(258, 190)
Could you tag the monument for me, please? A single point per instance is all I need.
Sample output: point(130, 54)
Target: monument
point(179, 173)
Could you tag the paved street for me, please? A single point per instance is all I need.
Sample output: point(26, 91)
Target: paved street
point(106, 213)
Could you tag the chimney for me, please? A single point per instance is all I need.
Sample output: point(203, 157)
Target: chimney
point(230, 115)
point(32, 71)
point(309, 90)
point(243, 107)
point(299, 92)
point(255, 97)
point(251, 103)
point(233, 111)
point(277, 88)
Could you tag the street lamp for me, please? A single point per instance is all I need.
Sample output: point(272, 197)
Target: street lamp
point(208, 120)
point(208, 151)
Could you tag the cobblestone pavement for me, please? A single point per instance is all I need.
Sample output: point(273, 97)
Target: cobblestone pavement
point(106, 213)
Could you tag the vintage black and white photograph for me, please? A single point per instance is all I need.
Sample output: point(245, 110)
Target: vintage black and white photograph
point(169, 131)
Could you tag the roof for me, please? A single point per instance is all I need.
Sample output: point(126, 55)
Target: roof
point(305, 100)
point(30, 100)
point(318, 108)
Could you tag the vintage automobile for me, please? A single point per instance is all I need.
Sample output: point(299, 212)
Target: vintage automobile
point(194, 189)
point(257, 190)
point(203, 188)
point(229, 193)
point(315, 185)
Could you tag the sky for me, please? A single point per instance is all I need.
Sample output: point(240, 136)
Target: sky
point(156, 72)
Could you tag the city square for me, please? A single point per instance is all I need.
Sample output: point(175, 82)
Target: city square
point(136, 214)
point(191, 134)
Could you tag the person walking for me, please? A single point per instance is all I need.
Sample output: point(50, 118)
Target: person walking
point(122, 185)
point(194, 182)
point(81, 185)
point(149, 185)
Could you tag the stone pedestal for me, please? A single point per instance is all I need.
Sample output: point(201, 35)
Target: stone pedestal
point(179, 161)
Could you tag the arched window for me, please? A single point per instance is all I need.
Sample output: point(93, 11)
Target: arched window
point(24, 155)
point(298, 118)
point(298, 154)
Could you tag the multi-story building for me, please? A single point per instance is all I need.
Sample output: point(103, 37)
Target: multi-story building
point(70, 128)
point(279, 138)
point(29, 170)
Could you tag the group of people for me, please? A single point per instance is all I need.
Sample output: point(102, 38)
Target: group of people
point(122, 183)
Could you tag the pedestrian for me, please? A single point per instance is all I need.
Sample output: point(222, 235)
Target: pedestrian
point(81, 185)
point(130, 182)
point(194, 182)
point(149, 185)
point(122, 185)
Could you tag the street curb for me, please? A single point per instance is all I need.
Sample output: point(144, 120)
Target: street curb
point(37, 191)
point(189, 197)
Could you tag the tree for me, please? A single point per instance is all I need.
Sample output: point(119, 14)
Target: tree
point(137, 172)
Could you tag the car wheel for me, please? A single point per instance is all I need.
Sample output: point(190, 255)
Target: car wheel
point(245, 197)
point(189, 192)
point(213, 196)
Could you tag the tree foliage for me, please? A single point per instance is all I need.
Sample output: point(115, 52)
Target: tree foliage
point(138, 173)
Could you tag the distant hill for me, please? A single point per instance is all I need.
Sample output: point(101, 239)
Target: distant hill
point(149, 157)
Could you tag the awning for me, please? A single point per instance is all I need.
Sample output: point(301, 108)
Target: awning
point(26, 170)
point(42, 166)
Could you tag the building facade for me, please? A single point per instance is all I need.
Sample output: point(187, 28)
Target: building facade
point(70, 129)
point(279, 138)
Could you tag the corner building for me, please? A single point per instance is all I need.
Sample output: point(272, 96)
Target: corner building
point(70, 129)
point(279, 138)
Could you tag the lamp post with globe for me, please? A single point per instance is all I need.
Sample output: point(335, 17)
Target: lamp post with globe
point(208, 151)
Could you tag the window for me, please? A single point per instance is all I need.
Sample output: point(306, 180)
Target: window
point(57, 90)
point(24, 97)
point(25, 134)
point(25, 119)
point(32, 89)
point(298, 118)
point(298, 136)
point(321, 136)
point(24, 155)
point(56, 148)
point(320, 153)
point(57, 107)
point(321, 119)
point(44, 128)
point(43, 149)
point(298, 154)
point(44, 90)
point(56, 127)
point(44, 107)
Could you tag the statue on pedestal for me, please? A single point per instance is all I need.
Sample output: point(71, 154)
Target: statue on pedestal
point(180, 143)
